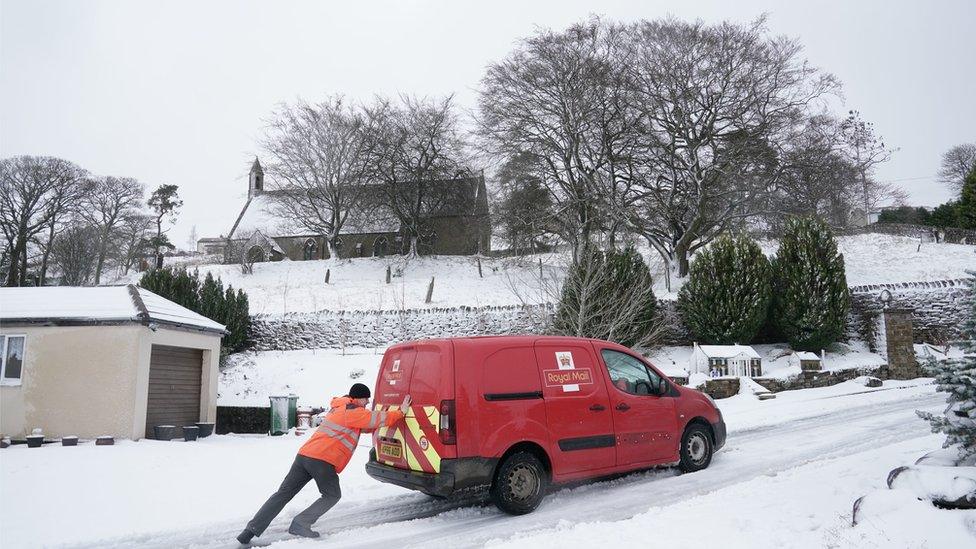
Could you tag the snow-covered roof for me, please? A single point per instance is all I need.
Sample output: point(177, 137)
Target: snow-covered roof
point(728, 351)
point(806, 355)
point(259, 215)
point(95, 305)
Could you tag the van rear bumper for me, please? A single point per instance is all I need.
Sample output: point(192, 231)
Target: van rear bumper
point(455, 475)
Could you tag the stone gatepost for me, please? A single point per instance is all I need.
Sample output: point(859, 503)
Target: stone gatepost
point(898, 339)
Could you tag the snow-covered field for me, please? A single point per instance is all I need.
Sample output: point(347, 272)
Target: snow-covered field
point(360, 284)
point(788, 476)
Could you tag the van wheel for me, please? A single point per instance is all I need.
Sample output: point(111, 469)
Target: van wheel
point(519, 484)
point(696, 448)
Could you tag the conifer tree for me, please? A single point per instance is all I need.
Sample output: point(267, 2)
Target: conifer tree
point(958, 378)
point(811, 299)
point(726, 298)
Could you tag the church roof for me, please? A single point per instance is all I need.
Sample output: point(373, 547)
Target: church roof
point(256, 167)
point(465, 196)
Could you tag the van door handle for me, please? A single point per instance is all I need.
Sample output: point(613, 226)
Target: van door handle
point(597, 408)
point(623, 407)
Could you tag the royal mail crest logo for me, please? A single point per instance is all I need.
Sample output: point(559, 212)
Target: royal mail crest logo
point(424, 443)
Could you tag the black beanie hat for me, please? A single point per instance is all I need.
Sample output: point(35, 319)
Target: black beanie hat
point(358, 390)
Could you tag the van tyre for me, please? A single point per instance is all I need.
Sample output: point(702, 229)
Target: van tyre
point(696, 448)
point(520, 484)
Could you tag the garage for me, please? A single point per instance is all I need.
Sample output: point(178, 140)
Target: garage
point(104, 360)
point(175, 377)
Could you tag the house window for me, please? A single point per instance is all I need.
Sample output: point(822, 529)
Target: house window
point(359, 249)
point(11, 359)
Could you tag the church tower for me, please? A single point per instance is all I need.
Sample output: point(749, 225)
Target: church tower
point(255, 181)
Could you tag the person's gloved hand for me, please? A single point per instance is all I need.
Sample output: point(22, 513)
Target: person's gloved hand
point(405, 407)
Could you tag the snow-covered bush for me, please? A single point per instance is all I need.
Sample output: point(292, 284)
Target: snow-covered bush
point(726, 297)
point(958, 378)
point(811, 299)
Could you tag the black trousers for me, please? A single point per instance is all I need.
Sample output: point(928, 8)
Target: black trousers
point(302, 470)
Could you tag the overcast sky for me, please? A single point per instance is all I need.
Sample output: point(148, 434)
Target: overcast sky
point(175, 92)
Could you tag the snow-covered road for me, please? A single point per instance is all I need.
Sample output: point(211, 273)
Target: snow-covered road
point(852, 425)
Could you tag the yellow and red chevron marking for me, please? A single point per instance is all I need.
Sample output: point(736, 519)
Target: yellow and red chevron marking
point(419, 437)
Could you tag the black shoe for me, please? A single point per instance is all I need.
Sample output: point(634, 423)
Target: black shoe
point(303, 531)
point(245, 536)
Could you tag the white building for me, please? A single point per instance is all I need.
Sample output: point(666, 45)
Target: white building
point(806, 360)
point(726, 360)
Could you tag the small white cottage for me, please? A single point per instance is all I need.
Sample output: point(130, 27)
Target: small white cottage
point(806, 361)
point(726, 360)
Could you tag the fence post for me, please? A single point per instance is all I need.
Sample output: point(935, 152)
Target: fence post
point(430, 291)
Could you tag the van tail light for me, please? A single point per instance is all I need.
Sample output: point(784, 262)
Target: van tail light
point(448, 426)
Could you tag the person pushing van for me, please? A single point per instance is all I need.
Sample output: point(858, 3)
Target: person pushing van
point(321, 459)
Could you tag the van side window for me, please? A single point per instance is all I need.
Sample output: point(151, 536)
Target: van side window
point(629, 374)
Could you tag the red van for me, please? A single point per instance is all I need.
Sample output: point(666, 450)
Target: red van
point(518, 413)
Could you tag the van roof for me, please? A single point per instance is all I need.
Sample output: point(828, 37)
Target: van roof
point(523, 339)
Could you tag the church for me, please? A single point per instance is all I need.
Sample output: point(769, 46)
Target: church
point(456, 223)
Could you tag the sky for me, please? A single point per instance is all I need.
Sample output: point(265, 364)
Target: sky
point(178, 92)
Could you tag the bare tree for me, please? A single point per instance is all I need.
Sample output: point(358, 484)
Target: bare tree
point(716, 104)
point(105, 207)
point(37, 193)
point(132, 239)
point(415, 150)
point(556, 101)
point(319, 155)
point(523, 211)
point(957, 162)
point(866, 151)
point(75, 253)
point(818, 178)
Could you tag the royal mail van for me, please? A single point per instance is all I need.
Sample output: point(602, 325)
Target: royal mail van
point(521, 413)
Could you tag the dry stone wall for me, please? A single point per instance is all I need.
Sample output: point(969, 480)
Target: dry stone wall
point(938, 308)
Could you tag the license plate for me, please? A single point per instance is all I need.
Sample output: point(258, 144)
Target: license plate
point(394, 451)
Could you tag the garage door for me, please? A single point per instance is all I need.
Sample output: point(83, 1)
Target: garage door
point(174, 387)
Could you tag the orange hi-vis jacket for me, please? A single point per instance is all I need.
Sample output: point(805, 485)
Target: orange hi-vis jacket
point(336, 438)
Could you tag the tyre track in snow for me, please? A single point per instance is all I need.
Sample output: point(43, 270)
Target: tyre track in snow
point(414, 520)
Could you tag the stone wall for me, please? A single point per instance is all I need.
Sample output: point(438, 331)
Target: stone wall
point(729, 386)
point(938, 308)
point(336, 329)
point(951, 235)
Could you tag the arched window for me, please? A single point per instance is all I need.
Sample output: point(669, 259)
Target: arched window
point(425, 244)
point(256, 254)
point(380, 246)
point(311, 249)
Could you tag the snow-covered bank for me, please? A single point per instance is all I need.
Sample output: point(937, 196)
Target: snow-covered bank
point(176, 494)
point(360, 284)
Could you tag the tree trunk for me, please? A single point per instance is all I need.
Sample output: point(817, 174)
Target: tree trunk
point(413, 246)
point(46, 255)
point(681, 257)
point(333, 250)
point(102, 251)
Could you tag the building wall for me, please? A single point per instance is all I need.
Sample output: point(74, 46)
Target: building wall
point(94, 380)
point(76, 381)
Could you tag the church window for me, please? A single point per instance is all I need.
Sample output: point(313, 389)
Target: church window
point(380, 246)
point(311, 249)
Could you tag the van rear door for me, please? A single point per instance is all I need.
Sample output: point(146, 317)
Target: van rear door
point(577, 407)
point(424, 370)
